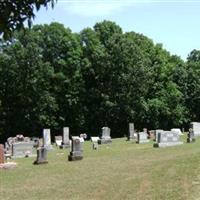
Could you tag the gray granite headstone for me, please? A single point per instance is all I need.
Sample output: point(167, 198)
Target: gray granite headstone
point(76, 150)
point(41, 156)
point(105, 138)
point(23, 149)
point(65, 139)
point(131, 131)
point(190, 136)
point(47, 139)
point(58, 140)
point(196, 128)
point(142, 138)
point(168, 138)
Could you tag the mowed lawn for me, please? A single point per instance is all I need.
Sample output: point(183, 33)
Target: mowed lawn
point(121, 170)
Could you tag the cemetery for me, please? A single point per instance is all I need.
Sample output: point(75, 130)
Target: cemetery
point(136, 170)
point(96, 111)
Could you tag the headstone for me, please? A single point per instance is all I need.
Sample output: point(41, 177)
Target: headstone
point(76, 150)
point(19, 146)
point(95, 139)
point(81, 139)
point(142, 138)
point(41, 156)
point(83, 135)
point(196, 128)
point(105, 138)
point(23, 149)
point(58, 140)
point(190, 136)
point(152, 135)
point(157, 132)
point(168, 138)
point(65, 139)
point(47, 139)
point(131, 131)
point(95, 146)
point(145, 130)
point(178, 130)
point(2, 157)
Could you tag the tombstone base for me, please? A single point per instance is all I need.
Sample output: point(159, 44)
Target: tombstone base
point(190, 140)
point(40, 162)
point(131, 138)
point(23, 156)
point(167, 144)
point(142, 142)
point(74, 158)
point(8, 165)
point(104, 141)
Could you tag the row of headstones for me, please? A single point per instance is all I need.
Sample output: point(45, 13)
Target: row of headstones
point(76, 152)
point(22, 148)
point(165, 138)
point(162, 138)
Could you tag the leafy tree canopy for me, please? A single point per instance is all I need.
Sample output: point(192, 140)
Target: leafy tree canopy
point(15, 12)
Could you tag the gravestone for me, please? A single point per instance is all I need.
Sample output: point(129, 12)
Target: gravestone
point(142, 138)
point(19, 146)
point(168, 138)
point(190, 136)
point(152, 135)
point(76, 150)
point(47, 139)
point(157, 132)
point(58, 140)
point(195, 126)
point(65, 138)
point(2, 157)
point(131, 131)
point(178, 130)
point(41, 156)
point(95, 140)
point(83, 135)
point(23, 149)
point(105, 138)
point(95, 146)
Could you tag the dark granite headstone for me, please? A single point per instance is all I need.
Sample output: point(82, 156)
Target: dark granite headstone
point(76, 150)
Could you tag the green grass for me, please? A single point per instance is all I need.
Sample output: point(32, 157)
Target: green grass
point(121, 170)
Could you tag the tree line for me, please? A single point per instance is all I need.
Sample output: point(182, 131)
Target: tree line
point(51, 77)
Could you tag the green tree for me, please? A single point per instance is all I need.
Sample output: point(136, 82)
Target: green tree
point(15, 13)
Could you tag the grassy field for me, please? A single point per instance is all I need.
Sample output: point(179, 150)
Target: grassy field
point(122, 170)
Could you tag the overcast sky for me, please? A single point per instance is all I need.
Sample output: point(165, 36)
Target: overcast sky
point(174, 23)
